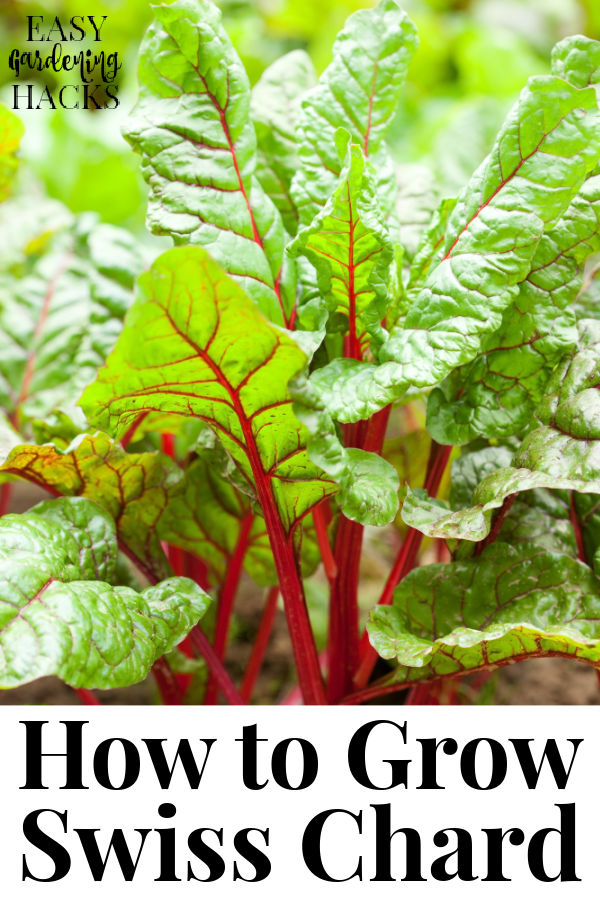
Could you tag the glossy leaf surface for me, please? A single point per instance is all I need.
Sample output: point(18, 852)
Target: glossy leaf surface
point(134, 488)
point(358, 92)
point(508, 604)
point(60, 611)
point(193, 130)
point(349, 245)
point(210, 354)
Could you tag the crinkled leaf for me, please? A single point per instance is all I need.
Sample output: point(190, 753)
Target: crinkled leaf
point(471, 468)
point(60, 612)
point(193, 130)
point(275, 109)
point(408, 455)
point(570, 404)
point(577, 59)
point(349, 246)
point(495, 395)
point(368, 485)
point(563, 453)
point(548, 145)
point(11, 132)
point(508, 604)
point(359, 91)
point(539, 516)
point(542, 517)
point(59, 321)
point(134, 488)
point(208, 353)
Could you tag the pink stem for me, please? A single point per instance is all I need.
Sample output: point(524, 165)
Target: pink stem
point(5, 497)
point(329, 563)
point(86, 697)
point(167, 683)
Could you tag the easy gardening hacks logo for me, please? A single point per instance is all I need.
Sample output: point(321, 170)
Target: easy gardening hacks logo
point(62, 65)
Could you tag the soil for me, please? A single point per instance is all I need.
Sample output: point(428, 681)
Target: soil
point(535, 682)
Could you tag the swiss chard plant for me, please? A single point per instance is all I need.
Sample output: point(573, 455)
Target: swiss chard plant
point(309, 364)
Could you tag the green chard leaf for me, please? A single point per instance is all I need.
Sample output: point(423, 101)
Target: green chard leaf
point(562, 454)
point(350, 248)
point(192, 128)
point(60, 611)
point(28, 223)
point(430, 250)
point(547, 147)
point(368, 484)
point(508, 604)
point(11, 132)
point(359, 91)
point(209, 353)
point(472, 467)
point(577, 60)
point(568, 442)
point(496, 394)
point(134, 488)
point(275, 108)
point(468, 270)
point(542, 517)
point(408, 454)
point(59, 321)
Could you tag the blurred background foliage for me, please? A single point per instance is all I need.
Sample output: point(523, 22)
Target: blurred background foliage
point(474, 57)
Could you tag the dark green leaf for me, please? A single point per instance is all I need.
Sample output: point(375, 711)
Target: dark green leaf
point(508, 604)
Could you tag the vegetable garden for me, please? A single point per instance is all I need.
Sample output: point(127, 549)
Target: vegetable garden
point(328, 356)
